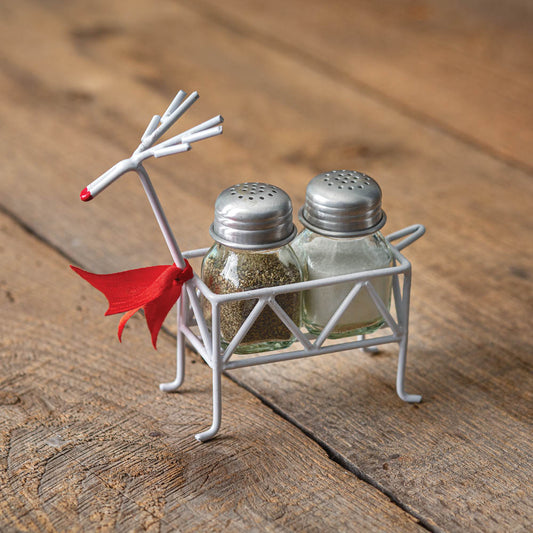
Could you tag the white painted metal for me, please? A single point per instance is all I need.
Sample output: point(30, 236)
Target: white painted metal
point(208, 342)
point(308, 345)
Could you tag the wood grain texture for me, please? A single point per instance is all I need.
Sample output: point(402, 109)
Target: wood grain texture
point(75, 104)
point(464, 66)
point(88, 443)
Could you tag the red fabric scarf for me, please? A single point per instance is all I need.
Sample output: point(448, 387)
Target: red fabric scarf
point(154, 289)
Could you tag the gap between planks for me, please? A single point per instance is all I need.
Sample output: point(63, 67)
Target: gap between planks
point(337, 457)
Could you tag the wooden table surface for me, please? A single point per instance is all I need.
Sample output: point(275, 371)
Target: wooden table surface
point(433, 99)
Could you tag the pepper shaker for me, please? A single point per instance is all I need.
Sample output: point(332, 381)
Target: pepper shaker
point(252, 230)
point(342, 216)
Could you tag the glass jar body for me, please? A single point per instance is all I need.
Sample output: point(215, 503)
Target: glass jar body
point(323, 257)
point(229, 270)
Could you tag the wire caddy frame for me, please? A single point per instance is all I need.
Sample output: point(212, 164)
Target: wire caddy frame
point(205, 338)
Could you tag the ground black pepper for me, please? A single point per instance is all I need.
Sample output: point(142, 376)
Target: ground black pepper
point(227, 271)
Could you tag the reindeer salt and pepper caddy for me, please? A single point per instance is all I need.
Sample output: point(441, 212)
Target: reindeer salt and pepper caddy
point(199, 309)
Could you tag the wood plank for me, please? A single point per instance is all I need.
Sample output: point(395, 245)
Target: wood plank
point(470, 355)
point(465, 67)
point(87, 441)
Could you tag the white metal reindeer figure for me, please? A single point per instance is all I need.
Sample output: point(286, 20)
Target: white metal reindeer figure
point(157, 127)
point(207, 341)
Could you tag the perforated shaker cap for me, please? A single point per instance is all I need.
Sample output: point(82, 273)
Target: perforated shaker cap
point(253, 216)
point(343, 203)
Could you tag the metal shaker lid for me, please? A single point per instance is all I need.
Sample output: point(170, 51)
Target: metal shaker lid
point(343, 203)
point(253, 216)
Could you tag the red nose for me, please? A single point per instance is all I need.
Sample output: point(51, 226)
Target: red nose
point(85, 195)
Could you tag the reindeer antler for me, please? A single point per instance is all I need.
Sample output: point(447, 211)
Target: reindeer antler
point(157, 127)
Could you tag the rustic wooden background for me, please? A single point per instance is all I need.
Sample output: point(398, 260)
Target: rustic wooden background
point(431, 98)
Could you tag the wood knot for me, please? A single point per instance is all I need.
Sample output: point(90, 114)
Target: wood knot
point(8, 398)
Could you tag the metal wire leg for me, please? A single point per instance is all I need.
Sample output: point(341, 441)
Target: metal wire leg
point(402, 308)
point(216, 362)
point(217, 409)
point(367, 349)
point(180, 366)
point(173, 386)
point(400, 376)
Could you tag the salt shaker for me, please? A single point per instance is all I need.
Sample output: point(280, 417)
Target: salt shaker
point(252, 230)
point(342, 216)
